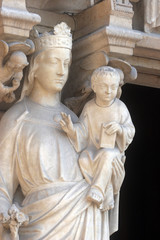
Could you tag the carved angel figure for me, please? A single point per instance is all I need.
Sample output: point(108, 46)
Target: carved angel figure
point(11, 71)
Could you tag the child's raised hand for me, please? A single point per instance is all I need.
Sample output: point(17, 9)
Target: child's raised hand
point(66, 124)
point(112, 128)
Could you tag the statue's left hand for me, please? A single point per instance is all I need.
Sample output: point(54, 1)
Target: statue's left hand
point(112, 128)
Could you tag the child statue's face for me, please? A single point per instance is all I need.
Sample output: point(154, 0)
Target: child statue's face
point(106, 89)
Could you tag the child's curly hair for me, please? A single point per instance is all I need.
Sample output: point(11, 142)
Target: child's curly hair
point(104, 71)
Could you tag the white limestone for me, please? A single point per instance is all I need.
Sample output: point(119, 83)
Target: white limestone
point(38, 156)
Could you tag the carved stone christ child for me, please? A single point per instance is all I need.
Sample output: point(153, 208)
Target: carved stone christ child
point(37, 156)
point(103, 132)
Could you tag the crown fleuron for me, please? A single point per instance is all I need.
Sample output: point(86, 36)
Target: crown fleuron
point(61, 37)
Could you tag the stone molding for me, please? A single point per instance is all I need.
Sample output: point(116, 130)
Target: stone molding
point(122, 37)
point(15, 21)
point(114, 39)
point(105, 13)
point(121, 6)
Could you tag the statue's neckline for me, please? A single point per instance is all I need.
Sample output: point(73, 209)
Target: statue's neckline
point(50, 108)
point(104, 106)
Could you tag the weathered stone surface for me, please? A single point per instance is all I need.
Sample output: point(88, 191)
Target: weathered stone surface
point(61, 6)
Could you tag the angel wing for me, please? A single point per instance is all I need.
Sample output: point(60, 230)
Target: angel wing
point(4, 49)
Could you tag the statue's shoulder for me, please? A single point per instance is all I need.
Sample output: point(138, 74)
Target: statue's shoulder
point(10, 121)
point(12, 115)
point(120, 104)
point(89, 105)
point(121, 108)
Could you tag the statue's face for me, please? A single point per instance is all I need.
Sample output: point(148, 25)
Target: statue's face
point(52, 71)
point(106, 88)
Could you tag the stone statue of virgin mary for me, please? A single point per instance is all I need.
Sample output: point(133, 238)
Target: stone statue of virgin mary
point(37, 156)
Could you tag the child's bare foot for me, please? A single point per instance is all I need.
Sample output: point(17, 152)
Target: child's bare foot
point(95, 195)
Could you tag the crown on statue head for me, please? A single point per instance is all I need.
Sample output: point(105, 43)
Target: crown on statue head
point(61, 37)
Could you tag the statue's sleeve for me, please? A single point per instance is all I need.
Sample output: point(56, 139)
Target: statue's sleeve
point(128, 130)
point(80, 139)
point(8, 178)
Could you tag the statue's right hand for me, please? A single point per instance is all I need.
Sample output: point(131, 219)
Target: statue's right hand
point(67, 125)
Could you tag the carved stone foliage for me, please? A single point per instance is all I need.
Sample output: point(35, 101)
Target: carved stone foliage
point(86, 67)
point(12, 62)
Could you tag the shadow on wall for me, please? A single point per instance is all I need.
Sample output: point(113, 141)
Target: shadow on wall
point(1, 114)
point(138, 18)
point(139, 204)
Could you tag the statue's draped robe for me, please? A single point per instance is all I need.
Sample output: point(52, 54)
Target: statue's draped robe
point(37, 155)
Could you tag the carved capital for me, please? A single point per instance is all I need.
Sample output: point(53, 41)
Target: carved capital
point(15, 21)
point(122, 40)
point(112, 39)
point(122, 6)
